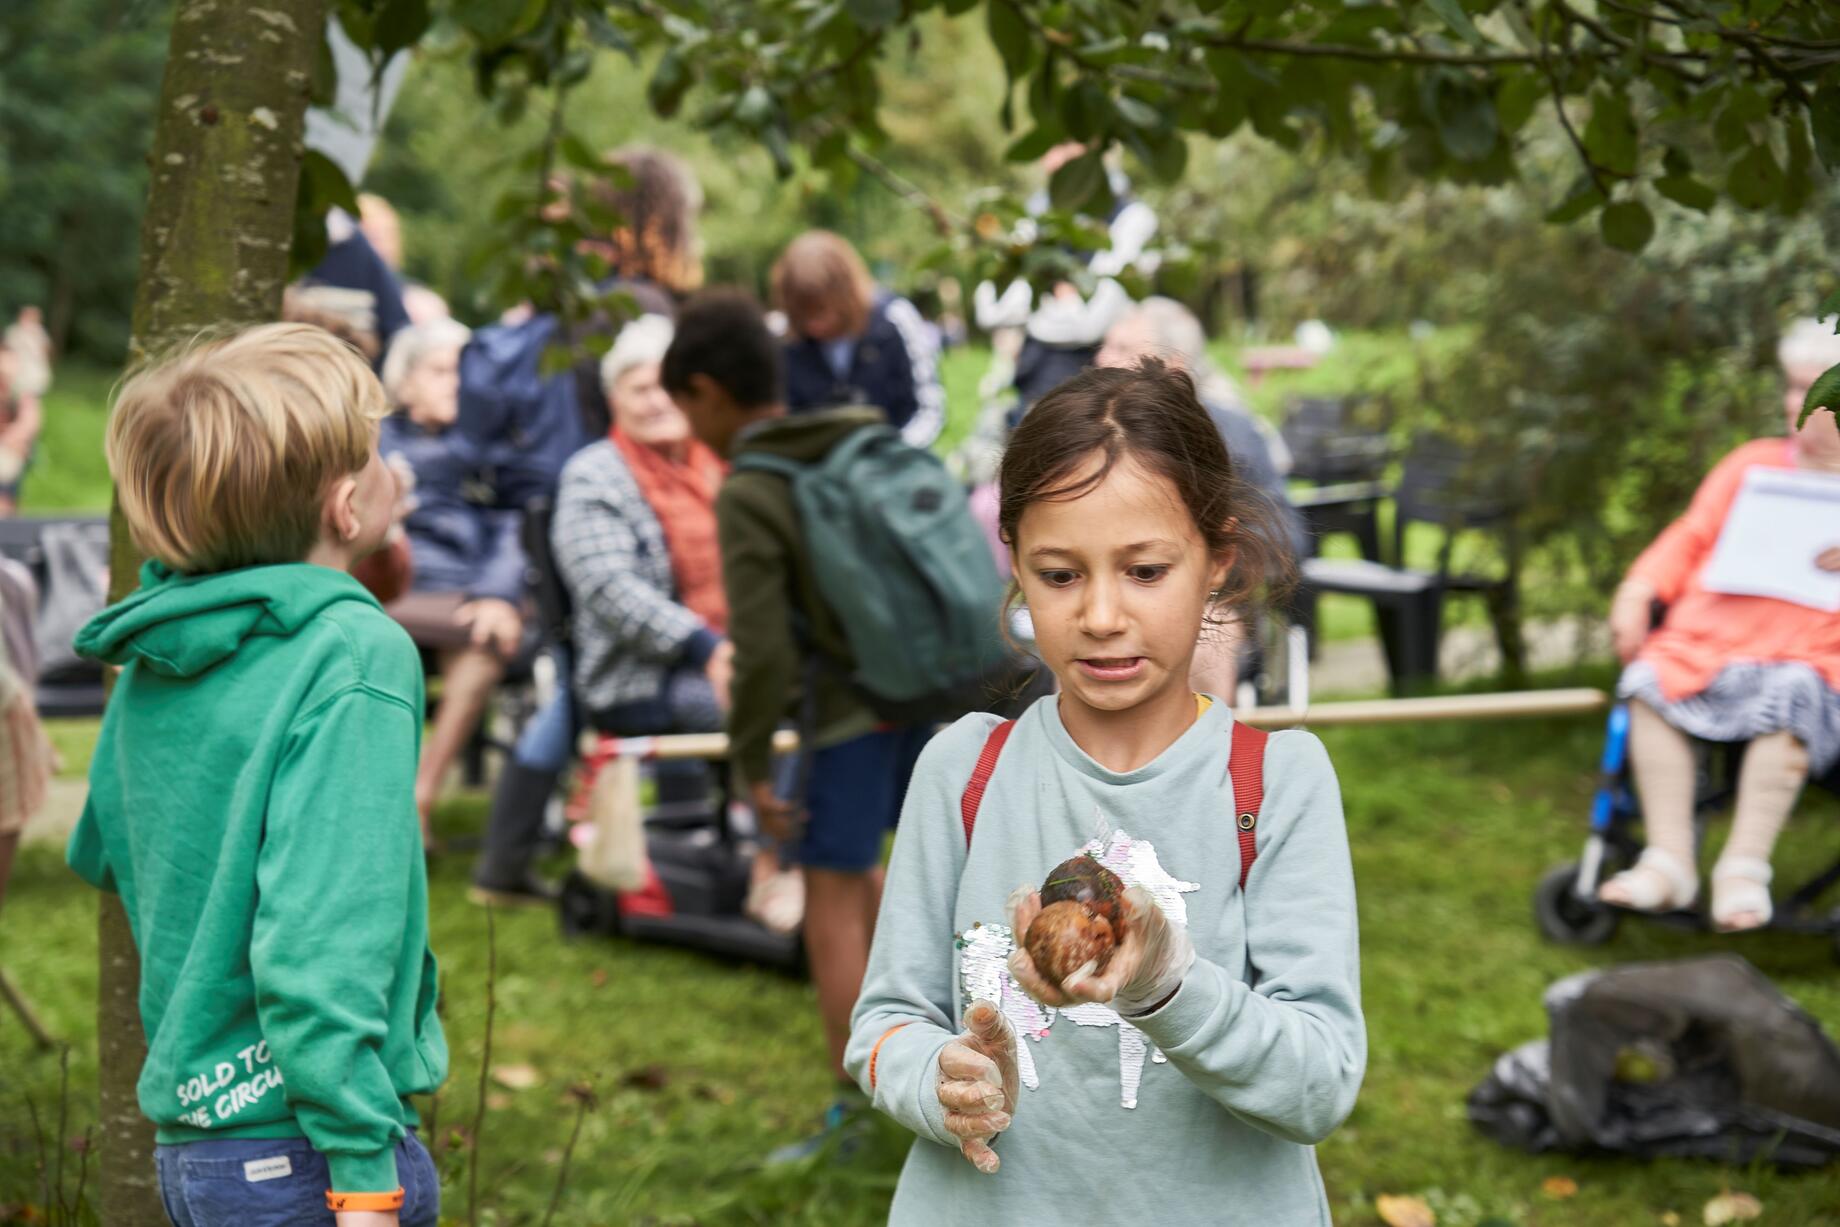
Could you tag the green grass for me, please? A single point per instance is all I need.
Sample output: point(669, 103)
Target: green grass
point(69, 473)
point(701, 1067)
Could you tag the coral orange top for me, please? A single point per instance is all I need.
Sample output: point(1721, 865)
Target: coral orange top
point(1705, 631)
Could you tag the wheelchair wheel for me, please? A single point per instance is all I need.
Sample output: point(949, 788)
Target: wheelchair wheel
point(1563, 917)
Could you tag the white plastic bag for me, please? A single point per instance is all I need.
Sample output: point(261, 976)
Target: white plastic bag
point(614, 858)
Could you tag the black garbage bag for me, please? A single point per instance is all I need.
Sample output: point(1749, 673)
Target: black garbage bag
point(1694, 1057)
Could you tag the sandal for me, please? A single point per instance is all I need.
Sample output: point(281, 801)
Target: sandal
point(1741, 890)
point(1657, 882)
point(777, 903)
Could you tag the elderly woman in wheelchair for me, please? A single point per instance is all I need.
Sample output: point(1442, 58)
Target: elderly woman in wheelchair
point(1728, 668)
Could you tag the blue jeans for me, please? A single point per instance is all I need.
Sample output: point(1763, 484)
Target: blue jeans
point(276, 1182)
point(548, 740)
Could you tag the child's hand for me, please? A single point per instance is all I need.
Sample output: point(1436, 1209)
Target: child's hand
point(977, 1084)
point(777, 818)
point(1146, 967)
point(367, 1218)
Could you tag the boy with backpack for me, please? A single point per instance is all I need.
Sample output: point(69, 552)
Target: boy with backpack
point(252, 796)
point(863, 603)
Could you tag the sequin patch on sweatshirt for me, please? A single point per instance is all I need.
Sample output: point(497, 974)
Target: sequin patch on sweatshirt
point(983, 968)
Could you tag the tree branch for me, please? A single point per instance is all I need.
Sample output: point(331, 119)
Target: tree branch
point(1565, 121)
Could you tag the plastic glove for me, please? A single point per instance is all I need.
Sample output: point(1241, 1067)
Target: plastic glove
point(978, 1082)
point(1146, 968)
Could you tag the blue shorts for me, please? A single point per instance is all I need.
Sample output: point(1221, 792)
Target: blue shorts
point(854, 798)
point(276, 1182)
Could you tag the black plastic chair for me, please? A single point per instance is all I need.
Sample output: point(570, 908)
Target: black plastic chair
point(1342, 447)
point(1439, 485)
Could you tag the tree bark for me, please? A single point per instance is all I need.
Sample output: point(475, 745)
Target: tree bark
point(214, 253)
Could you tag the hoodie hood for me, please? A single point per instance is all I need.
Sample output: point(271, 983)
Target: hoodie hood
point(806, 437)
point(181, 625)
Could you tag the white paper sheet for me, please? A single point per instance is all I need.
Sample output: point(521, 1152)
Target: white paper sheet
point(1780, 521)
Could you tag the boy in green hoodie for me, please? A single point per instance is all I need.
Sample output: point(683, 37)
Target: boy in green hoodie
point(252, 795)
point(723, 371)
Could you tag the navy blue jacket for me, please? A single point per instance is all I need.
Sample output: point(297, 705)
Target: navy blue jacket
point(457, 542)
point(892, 368)
point(353, 264)
point(523, 423)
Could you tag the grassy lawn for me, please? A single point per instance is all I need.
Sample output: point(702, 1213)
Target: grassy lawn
point(700, 1067)
point(69, 472)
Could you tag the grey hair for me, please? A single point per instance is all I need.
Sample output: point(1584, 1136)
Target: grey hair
point(410, 347)
point(642, 342)
point(1180, 340)
point(1809, 343)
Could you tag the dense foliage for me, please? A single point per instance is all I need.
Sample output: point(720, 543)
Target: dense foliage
point(78, 80)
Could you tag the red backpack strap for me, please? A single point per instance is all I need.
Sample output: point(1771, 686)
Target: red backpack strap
point(1246, 766)
point(980, 776)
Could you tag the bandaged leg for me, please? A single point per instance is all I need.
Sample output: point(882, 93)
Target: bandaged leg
point(1775, 768)
point(1664, 878)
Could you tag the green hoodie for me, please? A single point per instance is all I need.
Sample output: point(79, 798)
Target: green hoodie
point(768, 576)
point(252, 801)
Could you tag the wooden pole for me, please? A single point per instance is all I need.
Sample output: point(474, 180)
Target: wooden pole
point(1508, 705)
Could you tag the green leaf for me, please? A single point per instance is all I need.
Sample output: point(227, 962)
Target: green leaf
point(1610, 136)
point(1165, 153)
point(1010, 34)
point(492, 22)
point(780, 150)
point(1229, 65)
point(1138, 113)
point(1078, 181)
point(874, 14)
point(1755, 180)
point(1823, 394)
point(1520, 92)
point(1824, 117)
point(1627, 225)
point(328, 183)
point(1732, 129)
point(401, 24)
point(670, 81)
point(1688, 191)
point(1798, 176)
point(1830, 306)
point(1583, 197)
point(577, 153)
point(1031, 145)
point(1464, 113)
point(603, 33)
point(1086, 111)
point(1226, 114)
point(1675, 162)
point(1458, 20)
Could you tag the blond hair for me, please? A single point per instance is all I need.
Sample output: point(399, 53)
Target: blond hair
point(819, 269)
point(223, 452)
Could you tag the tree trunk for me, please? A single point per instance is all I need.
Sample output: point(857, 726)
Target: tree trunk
point(214, 252)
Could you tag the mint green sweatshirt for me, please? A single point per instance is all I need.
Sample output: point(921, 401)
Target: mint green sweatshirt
point(1203, 1111)
point(252, 801)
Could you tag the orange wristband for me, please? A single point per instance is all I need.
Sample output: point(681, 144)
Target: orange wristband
point(336, 1202)
point(877, 1051)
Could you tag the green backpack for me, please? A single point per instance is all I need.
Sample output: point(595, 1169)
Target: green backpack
point(906, 569)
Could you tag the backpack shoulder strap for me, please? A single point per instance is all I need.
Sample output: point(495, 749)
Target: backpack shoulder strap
point(1246, 766)
point(980, 776)
point(767, 462)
